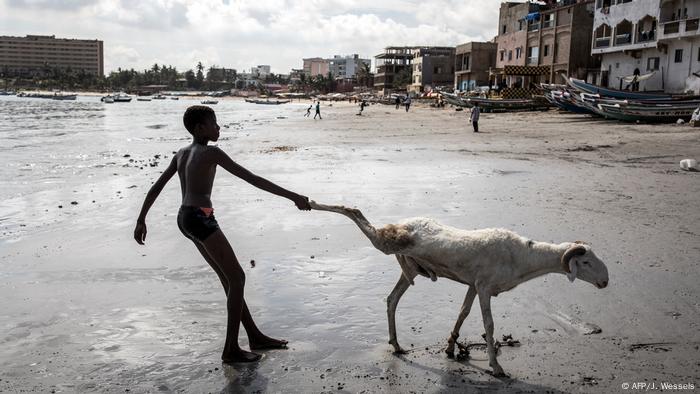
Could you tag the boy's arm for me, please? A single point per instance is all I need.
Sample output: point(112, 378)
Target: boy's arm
point(140, 230)
point(222, 159)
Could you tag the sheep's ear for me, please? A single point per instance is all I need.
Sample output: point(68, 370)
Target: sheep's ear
point(574, 250)
point(573, 267)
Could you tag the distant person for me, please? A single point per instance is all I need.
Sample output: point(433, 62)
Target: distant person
point(196, 165)
point(363, 104)
point(318, 110)
point(308, 110)
point(397, 101)
point(407, 102)
point(635, 80)
point(474, 117)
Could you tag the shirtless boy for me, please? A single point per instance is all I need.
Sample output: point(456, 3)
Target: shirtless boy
point(196, 166)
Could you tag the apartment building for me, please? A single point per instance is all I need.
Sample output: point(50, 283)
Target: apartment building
point(260, 71)
point(392, 62)
point(659, 38)
point(552, 37)
point(432, 67)
point(346, 67)
point(314, 66)
point(35, 55)
point(473, 61)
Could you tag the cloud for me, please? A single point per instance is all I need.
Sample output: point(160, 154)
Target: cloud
point(244, 33)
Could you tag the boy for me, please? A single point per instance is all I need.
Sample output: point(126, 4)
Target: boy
point(196, 165)
point(308, 111)
point(474, 117)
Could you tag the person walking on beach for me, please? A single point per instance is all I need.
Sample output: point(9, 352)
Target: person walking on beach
point(397, 101)
point(308, 110)
point(474, 117)
point(196, 166)
point(363, 104)
point(318, 110)
point(407, 102)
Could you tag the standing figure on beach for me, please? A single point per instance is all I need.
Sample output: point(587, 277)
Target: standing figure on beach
point(407, 102)
point(363, 104)
point(196, 166)
point(474, 117)
point(397, 101)
point(318, 110)
point(308, 110)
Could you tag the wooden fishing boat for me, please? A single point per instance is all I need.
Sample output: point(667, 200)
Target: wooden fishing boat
point(614, 93)
point(267, 101)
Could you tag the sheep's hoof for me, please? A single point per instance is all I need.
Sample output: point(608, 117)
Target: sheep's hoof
point(398, 349)
point(498, 372)
point(450, 352)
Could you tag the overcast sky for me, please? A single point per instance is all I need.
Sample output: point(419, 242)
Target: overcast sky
point(241, 34)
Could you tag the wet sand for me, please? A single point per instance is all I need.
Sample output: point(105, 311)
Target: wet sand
point(86, 309)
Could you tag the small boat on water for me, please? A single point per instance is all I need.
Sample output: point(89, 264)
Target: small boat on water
point(267, 101)
point(174, 98)
point(107, 100)
point(210, 102)
point(159, 97)
point(143, 99)
point(62, 97)
point(118, 98)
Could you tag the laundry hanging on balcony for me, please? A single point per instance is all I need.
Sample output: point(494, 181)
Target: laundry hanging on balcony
point(533, 16)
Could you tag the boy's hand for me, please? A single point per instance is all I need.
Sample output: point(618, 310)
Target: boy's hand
point(302, 202)
point(140, 232)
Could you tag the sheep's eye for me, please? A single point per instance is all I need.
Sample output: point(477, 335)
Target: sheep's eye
point(585, 262)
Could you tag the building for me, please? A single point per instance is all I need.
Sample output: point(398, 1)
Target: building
point(38, 55)
point(432, 67)
point(260, 71)
point(346, 67)
point(543, 43)
point(221, 74)
point(660, 38)
point(314, 66)
point(393, 62)
point(473, 61)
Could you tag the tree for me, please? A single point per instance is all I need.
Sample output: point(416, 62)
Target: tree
point(364, 76)
point(200, 75)
point(403, 78)
point(190, 78)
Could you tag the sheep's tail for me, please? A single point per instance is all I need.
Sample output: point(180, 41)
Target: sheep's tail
point(389, 239)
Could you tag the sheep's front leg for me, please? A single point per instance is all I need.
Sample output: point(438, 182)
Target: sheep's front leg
point(485, 302)
point(463, 313)
point(392, 301)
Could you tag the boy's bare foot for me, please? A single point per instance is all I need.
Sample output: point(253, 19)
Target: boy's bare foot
point(240, 356)
point(265, 342)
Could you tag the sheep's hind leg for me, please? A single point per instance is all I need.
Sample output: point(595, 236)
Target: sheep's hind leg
point(392, 301)
point(485, 302)
point(463, 313)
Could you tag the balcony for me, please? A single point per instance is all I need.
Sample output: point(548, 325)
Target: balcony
point(533, 27)
point(532, 60)
point(602, 42)
point(549, 23)
point(623, 39)
point(680, 28)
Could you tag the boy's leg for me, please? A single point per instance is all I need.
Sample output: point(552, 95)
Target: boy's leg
point(256, 338)
point(220, 251)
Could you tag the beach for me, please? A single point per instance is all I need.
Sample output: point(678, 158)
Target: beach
point(86, 309)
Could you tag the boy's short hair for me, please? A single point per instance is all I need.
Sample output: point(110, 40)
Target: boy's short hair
point(196, 114)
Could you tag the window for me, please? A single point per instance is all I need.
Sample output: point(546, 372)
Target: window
point(504, 29)
point(510, 55)
point(503, 55)
point(520, 25)
point(517, 53)
point(699, 55)
point(652, 63)
point(678, 56)
point(546, 50)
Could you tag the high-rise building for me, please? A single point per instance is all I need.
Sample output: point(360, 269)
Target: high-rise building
point(38, 55)
point(392, 62)
point(314, 66)
point(346, 67)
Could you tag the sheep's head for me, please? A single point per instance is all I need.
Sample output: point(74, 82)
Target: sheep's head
point(580, 262)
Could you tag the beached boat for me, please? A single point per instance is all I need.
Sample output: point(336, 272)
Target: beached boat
point(614, 93)
point(454, 99)
point(510, 105)
point(267, 101)
point(209, 102)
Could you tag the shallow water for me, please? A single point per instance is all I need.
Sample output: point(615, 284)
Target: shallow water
point(53, 149)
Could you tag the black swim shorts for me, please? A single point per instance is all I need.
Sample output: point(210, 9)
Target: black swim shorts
point(195, 224)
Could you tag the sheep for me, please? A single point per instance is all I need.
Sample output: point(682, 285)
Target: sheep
point(489, 261)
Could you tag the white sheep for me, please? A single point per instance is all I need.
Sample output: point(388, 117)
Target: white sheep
point(489, 261)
